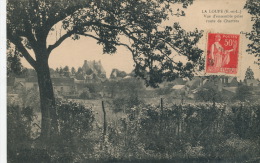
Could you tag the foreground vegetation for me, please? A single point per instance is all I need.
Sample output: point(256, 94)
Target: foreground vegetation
point(187, 132)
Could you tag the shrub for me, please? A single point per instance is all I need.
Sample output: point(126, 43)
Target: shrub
point(85, 94)
point(186, 131)
point(75, 142)
point(125, 103)
point(76, 124)
point(18, 130)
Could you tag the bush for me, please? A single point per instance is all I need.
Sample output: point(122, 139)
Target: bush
point(85, 94)
point(144, 132)
point(76, 124)
point(187, 131)
point(243, 93)
point(18, 130)
point(123, 104)
point(75, 142)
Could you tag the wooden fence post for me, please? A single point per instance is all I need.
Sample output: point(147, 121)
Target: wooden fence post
point(105, 121)
point(162, 105)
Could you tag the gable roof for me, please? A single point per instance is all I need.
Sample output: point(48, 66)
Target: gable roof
point(63, 81)
point(230, 89)
point(230, 79)
point(32, 80)
point(178, 87)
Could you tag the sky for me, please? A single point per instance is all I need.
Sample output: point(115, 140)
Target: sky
point(73, 53)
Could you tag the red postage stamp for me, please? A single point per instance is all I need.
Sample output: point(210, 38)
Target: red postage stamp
point(222, 53)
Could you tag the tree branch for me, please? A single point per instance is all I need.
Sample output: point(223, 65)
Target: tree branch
point(61, 39)
point(17, 42)
point(112, 42)
point(55, 17)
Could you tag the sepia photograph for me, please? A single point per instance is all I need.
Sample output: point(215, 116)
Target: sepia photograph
point(132, 81)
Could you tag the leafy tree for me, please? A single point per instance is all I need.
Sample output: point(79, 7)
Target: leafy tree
point(73, 70)
point(25, 72)
point(117, 73)
point(249, 73)
point(79, 71)
point(66, 71)
point(111, 87)
point(61, 71)
point(254, 36)
point(30, 22)
point(57, 70)
point(14, 65)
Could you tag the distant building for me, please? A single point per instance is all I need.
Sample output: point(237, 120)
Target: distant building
point(251, 82)
point(64, 86)
point(196, 82)
point(15, 85)
point(229, 81)
point(117, 74)
point(93, 67)
point(178, 81)
point(31, 83)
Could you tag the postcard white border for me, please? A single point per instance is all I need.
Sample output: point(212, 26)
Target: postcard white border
point(3, 122)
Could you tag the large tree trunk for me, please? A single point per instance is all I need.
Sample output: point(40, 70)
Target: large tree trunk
point(49, 125)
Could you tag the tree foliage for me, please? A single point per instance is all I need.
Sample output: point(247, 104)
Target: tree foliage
point(254, 36)
point(153, 47)
point(117, 73)
point(249, 73)
point(73, 71)
point(14, 65)
point(209, 94)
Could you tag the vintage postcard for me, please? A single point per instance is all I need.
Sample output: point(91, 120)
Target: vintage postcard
point(132, 81)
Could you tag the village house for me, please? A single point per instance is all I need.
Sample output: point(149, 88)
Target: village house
point(222, 83)
point(15, 85)
point(179, 89)
point(64, 86)
point(196, 82)
point(178, 81)
point(229, 81)
point(252, 82)
point(31, 83)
